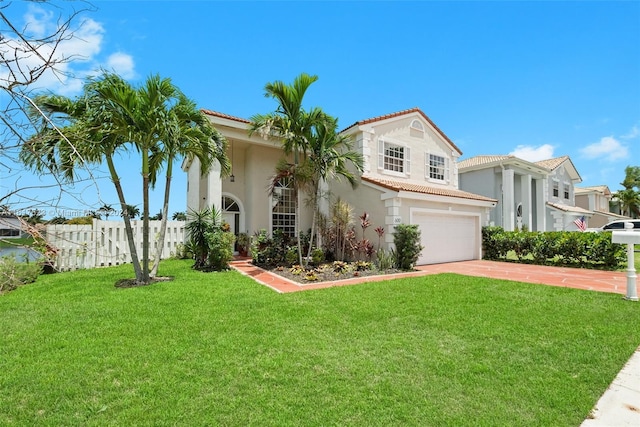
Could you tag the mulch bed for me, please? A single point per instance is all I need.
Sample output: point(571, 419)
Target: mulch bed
point(133, 283)
point(326, 273)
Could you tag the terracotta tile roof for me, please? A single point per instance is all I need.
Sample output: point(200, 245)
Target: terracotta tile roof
point(224, 116)
point(551, 164)
point(566, 208)
point(402, 113)
point(611, 214)
point(596, 188)
point(482, 160)
point(425, 189)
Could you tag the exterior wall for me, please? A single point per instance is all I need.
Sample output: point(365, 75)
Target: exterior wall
point(485, 182)
point(10, 227)
point(253, 169)
point(365, 199)
point(419, 143)
point(556, 220)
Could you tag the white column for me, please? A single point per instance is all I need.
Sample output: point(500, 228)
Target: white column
point(214, 187)
point(525, 189)
point(541, 209)
point(193, 186)
point(508, 208)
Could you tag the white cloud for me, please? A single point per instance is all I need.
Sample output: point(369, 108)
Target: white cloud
point(608, 148)
point(78, 56)
point(122, 64)
point(533, 154)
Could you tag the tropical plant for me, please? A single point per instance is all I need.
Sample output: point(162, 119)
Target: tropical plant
point(294, 126)
point(110, 117)
point(406, 238)
point(188, 134)
point(130, 211)
point(329, 157)
point(106, 210)
point(179, 216)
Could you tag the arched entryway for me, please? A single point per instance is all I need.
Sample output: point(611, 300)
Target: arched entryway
point(233, 213)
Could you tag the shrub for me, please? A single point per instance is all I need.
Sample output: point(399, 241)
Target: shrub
point(14, 273)
point(407, 242)
point(270, 252)
point(554, 247)
point(317, 256)
point(362, 265)
point(220, 251)
point(385, 260)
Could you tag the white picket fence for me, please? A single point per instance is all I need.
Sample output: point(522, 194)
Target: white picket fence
point(104, 243)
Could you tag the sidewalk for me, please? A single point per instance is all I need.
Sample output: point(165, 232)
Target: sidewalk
point(618, 406)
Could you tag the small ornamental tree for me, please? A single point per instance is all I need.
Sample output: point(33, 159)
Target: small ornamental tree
point(407, 241)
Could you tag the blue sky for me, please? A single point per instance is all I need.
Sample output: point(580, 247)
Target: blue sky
point(534, 79)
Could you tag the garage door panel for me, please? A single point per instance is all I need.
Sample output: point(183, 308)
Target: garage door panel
point(447, 238)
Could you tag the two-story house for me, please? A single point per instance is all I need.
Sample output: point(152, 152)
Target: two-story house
point(538, 196)
point(410, 177)
point(597, 199)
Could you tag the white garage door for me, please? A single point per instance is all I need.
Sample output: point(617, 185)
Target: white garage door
point(447, 238)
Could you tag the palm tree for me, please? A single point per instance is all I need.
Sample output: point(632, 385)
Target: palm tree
point(179, 216)
point(189, 134)
point(629, 200)
point(110, 117)
point(106, 210)
point(330, 155)
point(130, 211)
point(294, 127)
point(87, 122)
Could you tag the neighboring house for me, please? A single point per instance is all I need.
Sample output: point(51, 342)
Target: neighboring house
point(10, 226)
point(535, 195)
point(596, 199)
point(410, 177)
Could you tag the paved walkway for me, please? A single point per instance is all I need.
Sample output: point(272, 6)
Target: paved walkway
point(593, 280)
point(618, 406)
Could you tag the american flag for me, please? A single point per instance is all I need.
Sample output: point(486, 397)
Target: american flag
point(581, 223)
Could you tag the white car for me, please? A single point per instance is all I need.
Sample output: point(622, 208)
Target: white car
point(619, 225)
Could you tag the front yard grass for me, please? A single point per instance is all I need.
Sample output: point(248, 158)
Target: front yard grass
point(220, 349)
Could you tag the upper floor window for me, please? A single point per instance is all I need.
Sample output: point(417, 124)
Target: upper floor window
point(393, 157)
point(556, 188)
point(416, 129)
point(437, 167)
point(417, 125)
point(566, 191)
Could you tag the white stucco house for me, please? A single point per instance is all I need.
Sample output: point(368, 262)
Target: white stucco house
point(410, 176)
point(10, 226)
point(596, 199)
point(537, 195)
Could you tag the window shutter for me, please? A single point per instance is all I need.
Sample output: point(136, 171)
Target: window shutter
point(407, 161)
point(380, 153)
point(427, 166)
point(447, 177)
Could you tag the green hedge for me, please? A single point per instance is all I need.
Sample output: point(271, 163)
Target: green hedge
point(590, 250)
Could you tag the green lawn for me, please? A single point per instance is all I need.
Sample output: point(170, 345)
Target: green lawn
point(219, 349)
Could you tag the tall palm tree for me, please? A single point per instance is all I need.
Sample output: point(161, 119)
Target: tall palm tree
point(330, 155)
point(140, 117)
point(113, 116)
point(294, 126)
point(629, 200)
point(188, 134)
point(75, 134)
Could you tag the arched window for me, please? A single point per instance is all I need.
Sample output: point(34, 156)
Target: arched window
point(417, 125)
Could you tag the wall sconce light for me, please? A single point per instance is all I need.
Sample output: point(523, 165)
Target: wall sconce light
point(232, 178)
